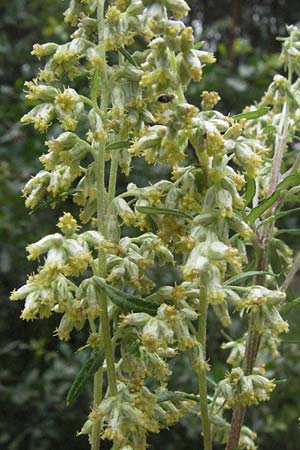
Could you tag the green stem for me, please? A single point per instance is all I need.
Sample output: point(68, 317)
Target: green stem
point(253, 340)
point(206, 426)
point(101, 225)
point(101, 205)
point(95, 437)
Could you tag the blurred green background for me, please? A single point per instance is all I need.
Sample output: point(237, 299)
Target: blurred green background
point(35, 369)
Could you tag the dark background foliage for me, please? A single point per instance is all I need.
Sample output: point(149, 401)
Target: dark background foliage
point(36, 370)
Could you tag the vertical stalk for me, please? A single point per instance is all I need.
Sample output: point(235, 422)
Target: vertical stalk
point(101, 215)
point(95, 437)
point(113, 176)
point(101, 203)
point(202, 373)
point(253, 340)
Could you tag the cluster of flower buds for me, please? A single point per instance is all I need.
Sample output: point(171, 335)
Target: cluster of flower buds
point(133, 103)
point(238, 388)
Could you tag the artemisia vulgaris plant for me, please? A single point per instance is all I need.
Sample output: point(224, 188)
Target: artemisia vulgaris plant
point(114, 92)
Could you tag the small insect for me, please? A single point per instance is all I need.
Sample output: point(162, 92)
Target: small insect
point(165, 98)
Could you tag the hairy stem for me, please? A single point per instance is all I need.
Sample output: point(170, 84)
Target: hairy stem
point(206, 426)
point(254, 338)
point(101, 225)
point(95, 437)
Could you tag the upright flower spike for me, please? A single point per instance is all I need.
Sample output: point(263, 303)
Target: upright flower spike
point(201, 222)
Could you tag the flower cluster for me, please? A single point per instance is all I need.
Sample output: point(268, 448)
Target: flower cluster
point(203, 222)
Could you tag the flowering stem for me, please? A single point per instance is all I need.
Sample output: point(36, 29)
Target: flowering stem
point(101, 207)
point(254, 338)
point(101, 223)
point(202, 373)
point(95, 438)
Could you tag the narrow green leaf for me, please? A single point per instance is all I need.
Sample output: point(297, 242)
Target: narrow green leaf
point(128, 56)
point(89, 368)
point(250, 191)
point(290, 341)
point(291, 231)
point(262, 207)
point(252, 114)
point(95, 86)
point(127, 302)
point(282, 381)
point(173, 395)
point(243, 276)
point(166, 211)
point(290, 305)
point(198, 45)
point(289, 181)
point(118, 145)
point(274, 217)
point(269, 129)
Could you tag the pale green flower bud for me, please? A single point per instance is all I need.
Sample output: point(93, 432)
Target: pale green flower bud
point(23, 292)
point(136, 319)
point(64, 141)
point(135, 8)
point(93, 302)
point(187, 39)
point(218, 251)
point(73, 247)
point(41, 116)
point(44, 245)
point(221, 311)
point(65, 327)
point(247, 158)
point(232, 297)
point(61, 180)
point(274, 320)
point(39, 92)
point(237, 352)
point(124, 211)
point(93, 238)
point(56, 256)
point(31, 307)
point(36, 194)
point(96, 132)
point(47, 49)
point(159, 330)
point(224, 202)
point(192, 64)
point(118, 97)
point(188, 313)
point(132, 270)
point(238, 225)
point(86, 427)
point(179, 8)
point(196, 357)
point(150, 140)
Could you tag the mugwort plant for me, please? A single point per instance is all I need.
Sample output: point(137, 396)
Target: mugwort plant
point(114, 92)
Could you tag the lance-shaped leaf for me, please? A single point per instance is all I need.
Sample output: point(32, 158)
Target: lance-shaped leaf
point(252, 114)
point(250, 191)
point(125, 301)
point(243, 276)
point(291, 231)
point(128, 56)
point(289, 181)
point(117, 145)
point(274, 217)
point(262, 207)
point(175, 395)
point(89, 368)
point(165, 211)
point(290, 305)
